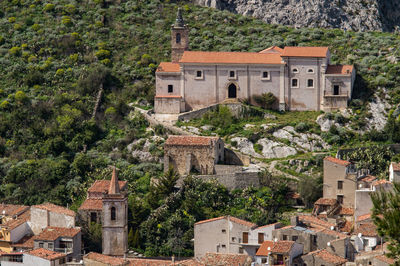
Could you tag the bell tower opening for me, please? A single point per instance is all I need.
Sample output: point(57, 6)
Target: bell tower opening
point(179, 37)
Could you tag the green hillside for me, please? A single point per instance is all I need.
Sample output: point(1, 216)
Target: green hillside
point(55, 56)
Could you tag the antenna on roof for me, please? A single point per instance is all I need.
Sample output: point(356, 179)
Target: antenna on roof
point(328, 244)
point(332, 228)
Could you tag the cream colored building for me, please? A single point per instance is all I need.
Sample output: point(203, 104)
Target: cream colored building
point(301, 78)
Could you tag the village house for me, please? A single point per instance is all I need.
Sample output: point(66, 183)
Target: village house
point(301, 78)
point(322, 257)
point(92, 208)
point(278, 253)
point(188, 154)
point(36, 257)
point(49, 214)
point(14, 225)
point(231, 235)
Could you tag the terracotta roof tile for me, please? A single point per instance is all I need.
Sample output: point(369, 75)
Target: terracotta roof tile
point(363, 217)
point(333, 233)
point(265, 248)
point(226, 259)
point(385, 259)
point(55, 208)
point(230, 58)
point(232, 219)
point(396, 166)
point(272, 50)
point(168, 67)
point(305, 51)
point(51, 233)
point(282, 246)
point(346, 211)
point(368, 178)
point(339, 69)
point(269, 225)
point(329, 257)
point(20, 219)
point(105, 259)
point(92, 204)
point(347, 227)
point(367, 229)
point(11, 210)
point(46, 254)
point(381, 182)
point(326, 201)
point(337, 161)
point(25, 242)
point(314, 220)
point(190, 140)
point(102, 186)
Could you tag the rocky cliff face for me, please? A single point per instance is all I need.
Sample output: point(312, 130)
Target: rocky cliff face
point(358, 15)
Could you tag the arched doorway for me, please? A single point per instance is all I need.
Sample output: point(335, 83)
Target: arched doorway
point(232, 90)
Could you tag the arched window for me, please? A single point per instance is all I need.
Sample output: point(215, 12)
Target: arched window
point(112, 213)
point(178, 38)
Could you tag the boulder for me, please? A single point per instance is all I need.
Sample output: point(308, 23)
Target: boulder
point(273, 149)
point(245, 146)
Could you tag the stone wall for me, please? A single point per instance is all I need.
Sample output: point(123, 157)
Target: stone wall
point(197, 113)
point(239, 180)
point(235, 158)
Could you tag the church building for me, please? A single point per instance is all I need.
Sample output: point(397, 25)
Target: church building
point(301, 78)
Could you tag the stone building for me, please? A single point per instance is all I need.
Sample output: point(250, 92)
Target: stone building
point(115, 219)
point(91, 209)
point(14, 225)
point(193, 154)
point(301, 78)
point(49, 214)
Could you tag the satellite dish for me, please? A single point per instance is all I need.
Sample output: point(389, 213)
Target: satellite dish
point(4, 212)
point(332, 228)
point(275, 239)
point(328, 244)
point(269, 248)
point(359, 235)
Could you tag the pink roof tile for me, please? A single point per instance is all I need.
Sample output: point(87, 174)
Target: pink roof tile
point(305, 51)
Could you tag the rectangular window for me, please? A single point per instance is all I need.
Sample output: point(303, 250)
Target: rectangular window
point(295, 83)
point(41, 245)
point(241, 250)
point(284, 237)
point(310, 83)
point(245, 237)
point(199, 74)
point(260, 238)
point(233, 239)
point(50, 245)
point(170, 88)
point(223, 231)
point(223, 246)
point(339, 184)
point(264, 260)
point(340, 199)
point(294, 238)
point(335, 89)
point(265, 75)
point(232, 74)
point(93, 217)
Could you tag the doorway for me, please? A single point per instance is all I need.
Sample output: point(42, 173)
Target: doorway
point(232, 90)
point(335, 89)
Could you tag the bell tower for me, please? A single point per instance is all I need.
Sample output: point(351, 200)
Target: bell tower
point(115, 219)
point(179, 37)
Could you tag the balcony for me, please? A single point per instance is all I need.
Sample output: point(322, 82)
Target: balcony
point(64, 250)
point(333, 102)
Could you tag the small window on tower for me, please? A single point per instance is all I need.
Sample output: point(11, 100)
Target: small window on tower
point(310, 83)
point(295, 83)
point(231, 74)
point(170, 88)
point(178, 38)
point(113, 214)
point(199, 74)
point(265, 75)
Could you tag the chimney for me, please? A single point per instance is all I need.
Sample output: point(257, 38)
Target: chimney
point(114, 186)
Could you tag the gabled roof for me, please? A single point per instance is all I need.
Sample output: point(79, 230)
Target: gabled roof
point(346, 211)
point(102, 186)
point(363, 217)
point(11, 209)
point(339, 69)
point(282, 246)
point(368, 178)
point(337, 161)
point(381, 182)
point(18, 220)
point(25, 242)
point(290, 51)
point(92, 204)
point(230, 58)
point(326, 201)
point(265, 248)
point(168, 67)
point(55, 208)
point(225, 259)
point(46, 254)
point(190, 140)
point(395, 166)
point(105, 259)
point(231, 218)
point(272, 50)
point(325, 255)
point(51, 233)
point(315, 221)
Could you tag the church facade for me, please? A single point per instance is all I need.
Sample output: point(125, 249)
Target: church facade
point(301, 78)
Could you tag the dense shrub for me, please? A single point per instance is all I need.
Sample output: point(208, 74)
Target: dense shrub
point(265, 100)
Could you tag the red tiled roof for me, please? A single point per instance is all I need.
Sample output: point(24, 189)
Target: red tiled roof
point(46, 254)
point(190, 140)
point(226, 259)
point(337, 161)
point(51, 233)
point(105, 259)
point(368, 178)
point(168, 67)
point(385, 259)
point(346, 227)
point(268, 225)
point(346, 211)
point(150, 262)
point(20, 219)
point(315, 220)
point(333, 233)
point(25, 242)
point(231, 218)
point(305, 51)
point(55, 208)
point(265, 248)
point(92, 204)
point(230, 58)
point(326, 201)
point(339, 69)
point(102, 186)
point(272, 50)
point(328, 257)
point(11, 210)
point(363, 217)
point(396, 166)
point(381, 182)
point(282, 246)
point(366, 230)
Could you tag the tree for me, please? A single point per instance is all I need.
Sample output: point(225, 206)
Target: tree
point(310, 189)
point(386, 216)
point(166, 183)
point(265, 100)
